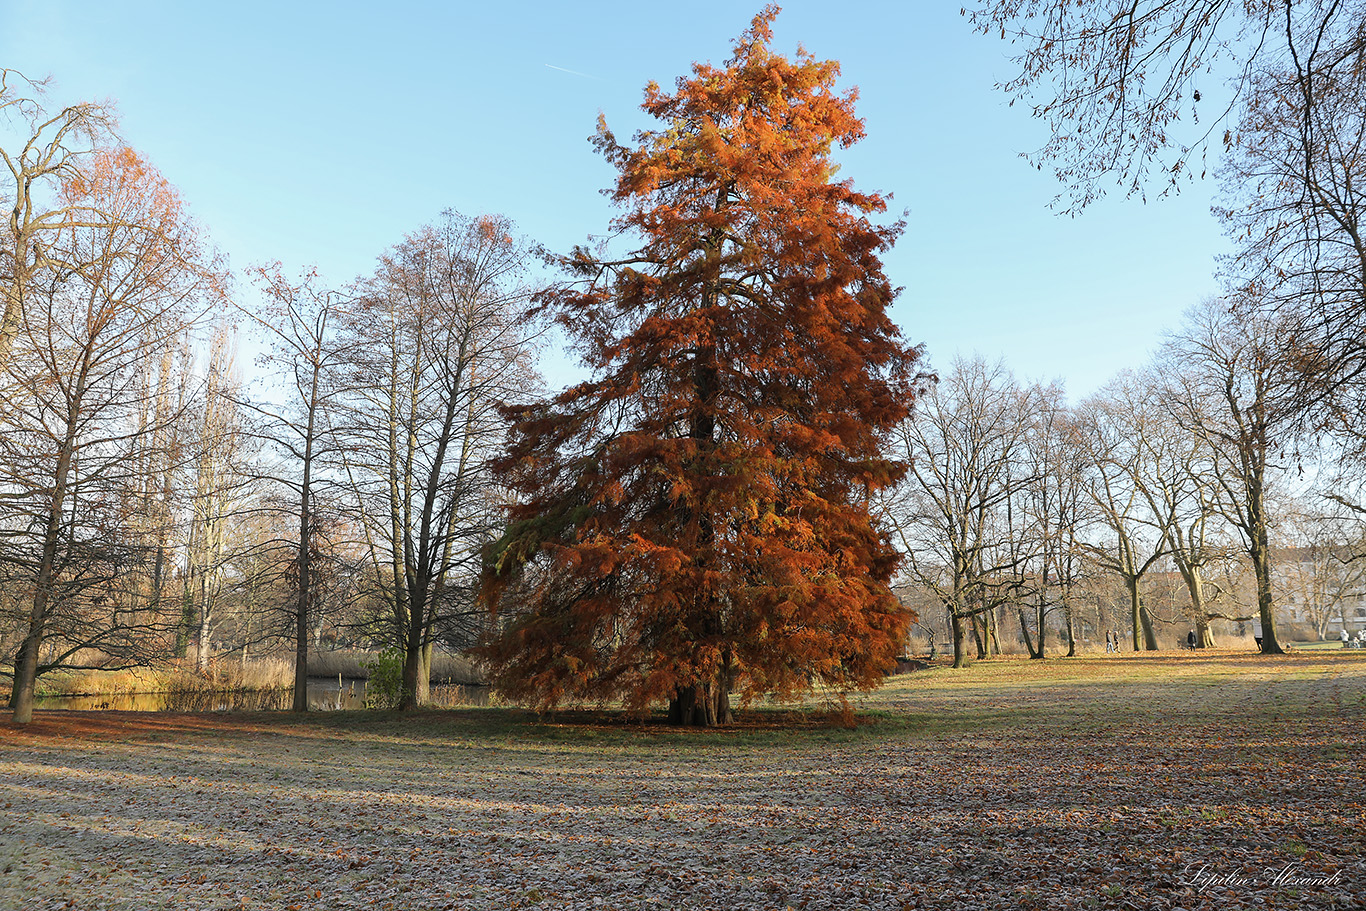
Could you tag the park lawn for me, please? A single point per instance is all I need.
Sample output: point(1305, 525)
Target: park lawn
point(1127, 782)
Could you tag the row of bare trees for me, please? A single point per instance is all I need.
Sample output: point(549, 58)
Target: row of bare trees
point(150, 497)
point(152, 501)
point(1140, 93)
point(388, 419)
point(1014, 496)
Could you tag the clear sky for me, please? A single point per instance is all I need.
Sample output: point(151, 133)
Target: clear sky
point(319, 133)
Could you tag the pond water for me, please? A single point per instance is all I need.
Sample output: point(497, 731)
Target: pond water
point(324, 694)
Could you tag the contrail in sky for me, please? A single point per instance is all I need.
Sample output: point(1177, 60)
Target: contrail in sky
point(572, 72)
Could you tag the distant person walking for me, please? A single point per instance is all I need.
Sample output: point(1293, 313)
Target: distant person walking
point(1344, 637)
point(1190, 640)
point(1110, 643)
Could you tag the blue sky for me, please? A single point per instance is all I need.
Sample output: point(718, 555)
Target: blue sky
point(319, 133)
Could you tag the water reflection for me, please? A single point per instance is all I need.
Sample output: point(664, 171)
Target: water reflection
point(324, 694)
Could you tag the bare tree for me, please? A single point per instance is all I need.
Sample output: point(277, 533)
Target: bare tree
point(52, 149)
point(114, 297)
point(963, 443)
point(1119, 429)
point(1052, 506)
point(1296, 183)
point(1169, 481)
point(301, 323)
point(1120, 83)
point(438, 337)
point(1227, 383)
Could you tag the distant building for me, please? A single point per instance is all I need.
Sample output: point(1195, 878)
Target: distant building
point(1323, 588)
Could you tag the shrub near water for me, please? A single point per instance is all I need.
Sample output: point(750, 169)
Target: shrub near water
point(384, 689)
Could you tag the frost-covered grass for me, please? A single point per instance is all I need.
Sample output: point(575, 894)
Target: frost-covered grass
point(1092, 783)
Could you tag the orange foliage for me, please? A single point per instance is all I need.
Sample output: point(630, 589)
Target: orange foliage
point(694, 519)
point(122, 185)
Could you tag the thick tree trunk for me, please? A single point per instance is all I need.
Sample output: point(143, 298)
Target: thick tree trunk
point(1260, 551)
point(960, 657)
point(1145, 638)
point(423, 692)
point(1204, 637)
point(1195, 588)
point(412, 656)
point(1135, 605)
point(26, 662)
point(1149, 634)
point(700, 707)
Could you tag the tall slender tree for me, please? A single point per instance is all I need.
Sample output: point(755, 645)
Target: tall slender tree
point(695, 518)
point(300, 322)
point(1228, 384)
point(435, 342)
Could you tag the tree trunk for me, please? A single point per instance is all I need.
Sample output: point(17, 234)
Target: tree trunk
point(412, 652)
point(699, 706)
point(1024, 634)
point(1145, 638)
point(1135, 609)
point(960, 657)
point(1071, 626)
point(977, 624)
point(301, 603)
point(203, 630)
point(423, 693)
point(1260, 551)
point(993, 633)
point(1042, 629)
point(26, 662)
point(1195, 588)
point(725, 682)
point(1149, 634)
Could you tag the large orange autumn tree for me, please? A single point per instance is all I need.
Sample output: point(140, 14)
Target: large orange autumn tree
point(693, 521)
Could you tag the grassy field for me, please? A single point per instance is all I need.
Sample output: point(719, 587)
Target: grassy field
point(1181, 781)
